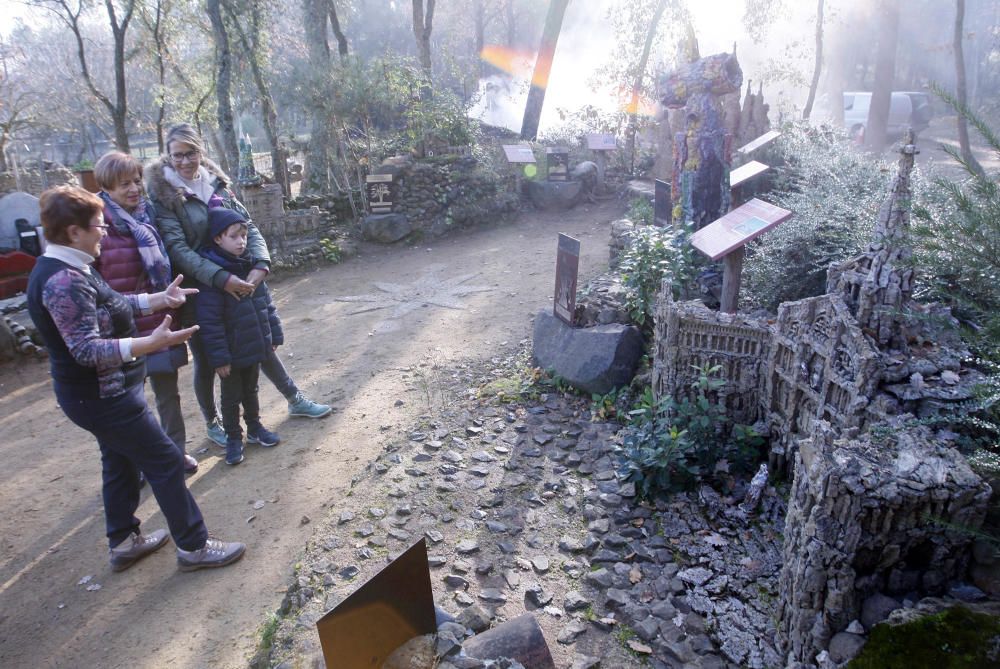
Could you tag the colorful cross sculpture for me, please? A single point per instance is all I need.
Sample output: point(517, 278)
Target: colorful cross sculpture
point(703, 148)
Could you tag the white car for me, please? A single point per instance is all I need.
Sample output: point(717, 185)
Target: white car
point(906, 110)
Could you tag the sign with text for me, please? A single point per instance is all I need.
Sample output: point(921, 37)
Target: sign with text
point(518, 153)
point(737, 228)
point(744, 173)
point(662, 205)
point(601, 142)
point(567, 271)
point(761, 141)
point(379, 189)
point(557, 163)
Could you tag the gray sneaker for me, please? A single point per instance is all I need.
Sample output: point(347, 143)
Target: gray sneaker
point(214, 553)
point(136, 547)
point(215, 432)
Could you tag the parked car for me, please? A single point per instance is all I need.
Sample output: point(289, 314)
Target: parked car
point(907, 109)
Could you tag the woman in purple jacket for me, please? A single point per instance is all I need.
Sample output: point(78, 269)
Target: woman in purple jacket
point(133, 260)
point(97, 366)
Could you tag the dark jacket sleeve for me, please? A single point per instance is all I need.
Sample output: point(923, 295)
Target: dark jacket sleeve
point(210, 312)
point(277, 332)
point(184, 259)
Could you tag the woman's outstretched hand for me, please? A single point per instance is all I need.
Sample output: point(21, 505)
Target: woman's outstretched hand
point(173, 297)
point(162, 337)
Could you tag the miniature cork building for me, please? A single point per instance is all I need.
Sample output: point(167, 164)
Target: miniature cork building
point(865, 517)
point(691, 337)
point(874, 492)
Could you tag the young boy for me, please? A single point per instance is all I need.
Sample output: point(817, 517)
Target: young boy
point(236, 333)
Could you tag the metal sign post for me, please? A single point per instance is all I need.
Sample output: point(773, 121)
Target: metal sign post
point(520, 154)
point(379, 190)
point(600, 144)
point(567, 273)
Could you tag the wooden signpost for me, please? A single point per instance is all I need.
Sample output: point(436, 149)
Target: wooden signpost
point(761, 141)
point(519, 154)
point(726, 238)
point(567, 271)
point(557, 163)
point(600, 144)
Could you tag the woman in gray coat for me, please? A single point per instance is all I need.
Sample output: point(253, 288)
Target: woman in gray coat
point(183, 185)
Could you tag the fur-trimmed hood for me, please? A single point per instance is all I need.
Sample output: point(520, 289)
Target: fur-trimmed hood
point(166, 194)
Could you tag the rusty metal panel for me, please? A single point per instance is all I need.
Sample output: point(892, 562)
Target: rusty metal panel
point(388, 610)
point(567, 271)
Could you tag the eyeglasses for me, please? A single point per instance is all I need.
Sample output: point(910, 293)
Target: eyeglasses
point(102, 226)
point(189, 156)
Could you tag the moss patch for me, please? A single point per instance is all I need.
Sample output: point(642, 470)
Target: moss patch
point(954, 639)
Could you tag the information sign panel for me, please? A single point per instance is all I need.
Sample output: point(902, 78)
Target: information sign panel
point(602, 142)
point(763, 140)
point(744, 173)
point(738, 227)
point(567, 271)
point(379, 188)
point(519, 153)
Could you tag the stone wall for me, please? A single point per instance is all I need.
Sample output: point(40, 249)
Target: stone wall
point(820, 367)
point(33, 182)
point(868, 516)
point(690, 336)
point(445, 192)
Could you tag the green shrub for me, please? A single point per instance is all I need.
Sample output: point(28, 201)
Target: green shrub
point(653, 255)
point(956, 231)
point(834, 192)
point(671, 445)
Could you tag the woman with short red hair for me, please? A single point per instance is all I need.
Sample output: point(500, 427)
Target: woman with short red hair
point(97, 367)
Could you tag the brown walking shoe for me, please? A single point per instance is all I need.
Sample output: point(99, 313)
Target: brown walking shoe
point(136, 547)
point(214, 553)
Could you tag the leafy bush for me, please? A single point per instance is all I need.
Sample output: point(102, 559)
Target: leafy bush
point(835, 192)
point(957, 245)
point(671, 445)
point(653, 255)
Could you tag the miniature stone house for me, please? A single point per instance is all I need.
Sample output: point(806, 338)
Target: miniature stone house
point(874, 492)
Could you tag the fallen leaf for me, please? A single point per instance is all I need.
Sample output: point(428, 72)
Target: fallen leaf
point(716, 540)
point(638, 522)
point(635, 575)
point(639, 647)
point(93, 587)
point(259, 504)
point(251, 519)
point(85, 580)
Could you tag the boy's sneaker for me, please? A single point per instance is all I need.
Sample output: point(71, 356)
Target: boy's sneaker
point(261, 435)
point(136, 547)
point(214, 553)
point(216, 433)
point(234, 451)
point(300, 405)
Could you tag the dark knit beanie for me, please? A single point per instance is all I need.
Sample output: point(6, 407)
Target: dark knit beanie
point(220, 218)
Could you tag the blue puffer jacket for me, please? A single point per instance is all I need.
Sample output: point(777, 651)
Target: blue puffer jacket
point(236, 332)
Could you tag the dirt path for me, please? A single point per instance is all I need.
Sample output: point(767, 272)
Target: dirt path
point(375, 366)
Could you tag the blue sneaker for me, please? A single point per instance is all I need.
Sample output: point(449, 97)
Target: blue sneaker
point(300, 405)
point(234, 451)
point(216, 434)
point(261, 435)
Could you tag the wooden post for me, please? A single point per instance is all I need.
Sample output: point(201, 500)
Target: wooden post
point(602, 165)
point(732, 271)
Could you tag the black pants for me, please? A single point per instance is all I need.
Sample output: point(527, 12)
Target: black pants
point(131, 439)
point(240, 387)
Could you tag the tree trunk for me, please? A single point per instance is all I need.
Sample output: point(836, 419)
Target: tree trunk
point(640, 74)
point(876, 129)
point(423, 22)
point(543, 67)
point(479, 24)
point(511, 24)
point(337, 32)
point(230, 157)
point(155, 27)
point(961, 94)
point(317, 172)
point(255, 52)
point(818, 65)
